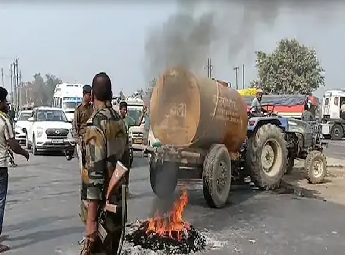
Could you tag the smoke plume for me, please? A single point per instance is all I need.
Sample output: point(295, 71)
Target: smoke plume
point(217, 29)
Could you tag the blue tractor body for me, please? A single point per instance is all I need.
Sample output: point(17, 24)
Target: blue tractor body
point(255, 122)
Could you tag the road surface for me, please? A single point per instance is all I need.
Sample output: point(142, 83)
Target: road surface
point(336, 149)
point(42, 215)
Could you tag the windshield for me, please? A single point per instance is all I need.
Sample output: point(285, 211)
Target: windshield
point(24, 115)
point(51, 115)
point(69, 105)
point(134, 114)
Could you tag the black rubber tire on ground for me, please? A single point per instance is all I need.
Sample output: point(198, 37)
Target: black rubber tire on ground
point(273, 135)
point(290, 164)
point(34, 149)
point(163, 178)
point(217, 162)
point(337, 132)
point(309, 164)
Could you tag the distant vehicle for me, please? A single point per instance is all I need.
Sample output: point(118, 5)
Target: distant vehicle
point(67, 97)
point(21, 125)
point(137, 134)
point(49, 130)
point(333, 124)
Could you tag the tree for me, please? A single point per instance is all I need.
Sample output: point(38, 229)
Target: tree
point(292, 68)
point(40, 91)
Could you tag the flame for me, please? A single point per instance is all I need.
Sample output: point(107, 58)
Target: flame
point(172, 225)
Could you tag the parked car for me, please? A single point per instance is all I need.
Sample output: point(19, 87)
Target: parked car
point(21, 125)
point(49, 130)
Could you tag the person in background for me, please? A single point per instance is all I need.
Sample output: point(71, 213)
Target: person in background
point(306, 114)
point(105, 141)
point(342, 111)
point(129, 122)
point(81, 115)
point(143, 116)
point(7, 139)
point(256, 109)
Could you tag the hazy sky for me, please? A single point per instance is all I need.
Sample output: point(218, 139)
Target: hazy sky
point(133, 42)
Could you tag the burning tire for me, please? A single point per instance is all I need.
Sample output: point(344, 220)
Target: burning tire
point(266, 157)
point(316, 167)
point(163, 177)
point(217, 176)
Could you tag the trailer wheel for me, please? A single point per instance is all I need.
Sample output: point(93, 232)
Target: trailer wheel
point(316, 167)
point(267, 157)
point(337, 132)
point(217, 176)
point(163, 177)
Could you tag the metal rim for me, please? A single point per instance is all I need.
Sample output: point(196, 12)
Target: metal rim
point(222, 176)
point(271, 157)
point(317, 167)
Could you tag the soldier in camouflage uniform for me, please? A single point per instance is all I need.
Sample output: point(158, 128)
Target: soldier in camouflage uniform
point(129, 122)
point(81, 114)
point(105, 142)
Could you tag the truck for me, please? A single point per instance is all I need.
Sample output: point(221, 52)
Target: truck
point(67, 96)
point(333, 122)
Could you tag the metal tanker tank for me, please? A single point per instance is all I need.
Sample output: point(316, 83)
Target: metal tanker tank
point(187, 111)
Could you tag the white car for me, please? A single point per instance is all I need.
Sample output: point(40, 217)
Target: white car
point(49, 130)
point(21, 125)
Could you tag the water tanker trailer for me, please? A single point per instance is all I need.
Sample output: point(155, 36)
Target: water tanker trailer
point(203, 127)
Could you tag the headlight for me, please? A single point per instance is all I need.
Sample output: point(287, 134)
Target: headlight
point(39, 131)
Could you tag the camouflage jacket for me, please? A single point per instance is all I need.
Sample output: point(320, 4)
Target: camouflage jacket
point(105, 141)
point(81, 114)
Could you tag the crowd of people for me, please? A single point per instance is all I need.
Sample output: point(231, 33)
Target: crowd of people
point(102, 135)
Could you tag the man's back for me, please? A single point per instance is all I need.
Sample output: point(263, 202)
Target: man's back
point(107, 124)
point(307, 116)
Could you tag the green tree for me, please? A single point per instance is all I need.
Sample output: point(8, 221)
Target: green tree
point(292, 68)
point(50, 84)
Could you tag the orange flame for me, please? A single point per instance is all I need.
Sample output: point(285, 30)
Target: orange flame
point(173, 225)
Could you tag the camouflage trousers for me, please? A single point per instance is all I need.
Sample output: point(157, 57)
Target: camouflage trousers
point(83, 188)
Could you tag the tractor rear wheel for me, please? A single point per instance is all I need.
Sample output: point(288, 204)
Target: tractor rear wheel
point(267, 157)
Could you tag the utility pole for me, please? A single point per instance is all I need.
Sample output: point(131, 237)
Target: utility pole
point(20, 89)
point(2, 77)
point(17, 83)
point(209, 68)
point(236, 75)
point(11, 77)
point(243, 83)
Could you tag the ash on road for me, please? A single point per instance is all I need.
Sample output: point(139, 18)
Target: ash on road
point(43, 202)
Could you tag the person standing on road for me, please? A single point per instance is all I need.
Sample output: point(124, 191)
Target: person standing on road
point(81, 114)
point(7, 140)
point(129, 122)
point(105, 141)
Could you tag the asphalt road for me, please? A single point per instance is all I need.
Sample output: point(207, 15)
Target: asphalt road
point(42, 214)
point(336, 149)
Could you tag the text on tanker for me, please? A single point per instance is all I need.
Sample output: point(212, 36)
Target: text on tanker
point(226, 109)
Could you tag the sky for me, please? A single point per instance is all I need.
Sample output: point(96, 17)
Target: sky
point(134, 41)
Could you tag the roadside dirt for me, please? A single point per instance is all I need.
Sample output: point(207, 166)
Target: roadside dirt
point(333, 188)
